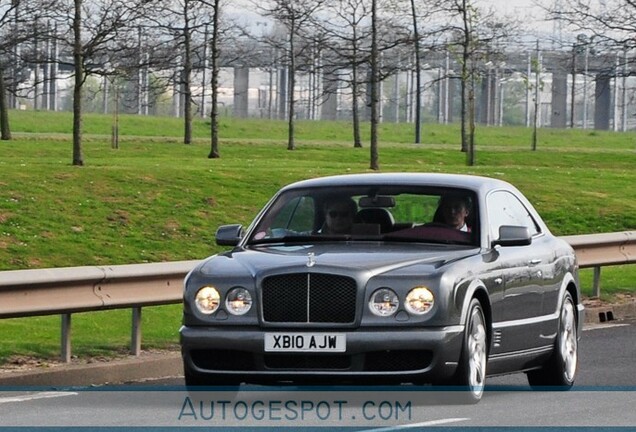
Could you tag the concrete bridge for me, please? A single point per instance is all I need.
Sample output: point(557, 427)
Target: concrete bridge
point(595, 86)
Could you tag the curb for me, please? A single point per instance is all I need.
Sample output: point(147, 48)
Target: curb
point(150, 366)
point(608, 313)
point(143, 367)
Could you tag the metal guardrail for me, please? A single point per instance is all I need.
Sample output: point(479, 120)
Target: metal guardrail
point(598, 250)
point(70, 290)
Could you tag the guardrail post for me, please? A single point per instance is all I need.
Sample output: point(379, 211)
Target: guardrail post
point(596, 283)
point(66, 338)
point(135, 339)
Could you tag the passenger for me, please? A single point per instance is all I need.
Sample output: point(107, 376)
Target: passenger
point(453, 211)
point(339, 215)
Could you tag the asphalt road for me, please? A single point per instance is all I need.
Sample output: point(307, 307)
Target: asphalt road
point(604, 396)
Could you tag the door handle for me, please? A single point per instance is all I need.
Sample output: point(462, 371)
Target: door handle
point(534, 262)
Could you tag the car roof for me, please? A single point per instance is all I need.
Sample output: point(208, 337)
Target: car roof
point(472, 182)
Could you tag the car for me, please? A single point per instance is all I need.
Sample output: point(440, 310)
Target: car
point(398, 295)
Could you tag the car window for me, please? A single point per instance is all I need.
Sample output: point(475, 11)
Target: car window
point(505, 209)
point(297, 215)
point(398, 213)
point(415, 208)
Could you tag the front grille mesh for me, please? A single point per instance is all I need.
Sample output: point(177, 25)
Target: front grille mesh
point(309, 298)
point(223, 360)
point(374, 361)
point(307, 362)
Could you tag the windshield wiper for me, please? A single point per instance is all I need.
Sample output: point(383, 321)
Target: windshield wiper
point(295, 239)
point(317, 238)
point(403, 239)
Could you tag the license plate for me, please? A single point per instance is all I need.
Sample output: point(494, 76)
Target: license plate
point(305, 342)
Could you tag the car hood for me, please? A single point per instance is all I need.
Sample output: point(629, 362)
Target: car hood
point(369, 257)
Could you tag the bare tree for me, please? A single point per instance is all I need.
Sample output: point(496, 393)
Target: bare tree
point(18, 26)
point(347, 34)
point(4, 109)
point(426, 34)
point(181, 24)
point(8, 23)
point(214, 114)
point(608, 22)
point(357, 36)
point(608, 25)
point(418, 74)
point(474, 31)
point(294, 16)
point(375, 89)
point(388, 38)
point(97, 33)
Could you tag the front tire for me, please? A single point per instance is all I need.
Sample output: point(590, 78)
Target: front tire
point(560, 369)
point(471, 371)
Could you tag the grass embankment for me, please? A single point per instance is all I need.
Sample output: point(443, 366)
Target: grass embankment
point(156, 199)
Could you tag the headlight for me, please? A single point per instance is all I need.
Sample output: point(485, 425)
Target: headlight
point(419, 300)
point(207, 300)
point(238, 301)
point(384, 302)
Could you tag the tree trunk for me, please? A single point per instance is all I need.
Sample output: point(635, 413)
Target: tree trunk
point(355, 113)
point(292, 85)
point(374, 156)
point(214, 112)
point(187, 84)
point(573, 91)
point(355, 105)
point(4, 110)
point(464, 112)
point(78, 158)
point(471, 123)
point(466, 45)
point(418, 78)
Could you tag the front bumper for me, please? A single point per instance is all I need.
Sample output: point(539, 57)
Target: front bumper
point(396, 356)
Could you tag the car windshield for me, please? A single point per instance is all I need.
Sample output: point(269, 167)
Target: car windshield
point(385, 213)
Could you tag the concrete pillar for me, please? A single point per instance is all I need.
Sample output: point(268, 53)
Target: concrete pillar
point(393, 104)
point(241, 91)
point(559, 115)
point(602, 107)
point(486, 104)
point(365, 113)
point(282, 93)
point(329, 106)
point(454, 89)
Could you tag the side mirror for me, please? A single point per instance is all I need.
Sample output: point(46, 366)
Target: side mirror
point(229, 235)
point(510, 235)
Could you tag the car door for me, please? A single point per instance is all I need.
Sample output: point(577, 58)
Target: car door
point(521, 302)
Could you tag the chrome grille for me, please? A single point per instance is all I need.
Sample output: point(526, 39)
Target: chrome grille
point(309, 298)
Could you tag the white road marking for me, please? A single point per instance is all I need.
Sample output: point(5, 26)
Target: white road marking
point(603, 326)
point(419, 425)
point(35, 396)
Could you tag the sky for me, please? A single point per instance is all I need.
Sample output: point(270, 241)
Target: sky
point(527, 11)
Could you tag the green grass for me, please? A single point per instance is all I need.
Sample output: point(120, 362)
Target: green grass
point(155, 199)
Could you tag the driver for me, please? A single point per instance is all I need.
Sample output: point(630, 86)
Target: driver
point(339, 216)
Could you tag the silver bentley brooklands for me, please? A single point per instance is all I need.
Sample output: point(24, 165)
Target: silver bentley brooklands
point(386, 278)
